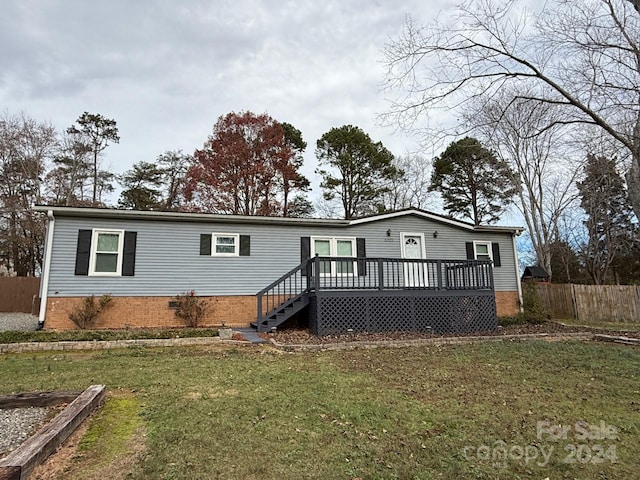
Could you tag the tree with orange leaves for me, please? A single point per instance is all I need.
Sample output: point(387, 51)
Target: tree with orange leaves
point(248, 166)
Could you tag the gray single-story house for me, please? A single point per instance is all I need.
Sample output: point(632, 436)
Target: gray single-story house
point(405, 270)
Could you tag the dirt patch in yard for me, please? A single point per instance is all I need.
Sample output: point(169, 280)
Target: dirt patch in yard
point(300, 336)
point(66, 462)
point(55, 465)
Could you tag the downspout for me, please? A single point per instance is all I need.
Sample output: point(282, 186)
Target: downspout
point(44, 283)
point(517, 262)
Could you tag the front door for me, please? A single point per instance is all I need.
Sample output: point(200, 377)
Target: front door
point(413, 248)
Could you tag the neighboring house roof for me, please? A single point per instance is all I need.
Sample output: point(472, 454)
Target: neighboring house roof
point(535, 271)
point(212, 217)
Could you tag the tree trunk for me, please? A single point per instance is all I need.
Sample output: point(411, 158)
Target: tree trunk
point(95, 177)
point(633, 185)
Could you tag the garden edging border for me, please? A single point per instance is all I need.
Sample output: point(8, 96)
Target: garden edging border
point(20, 463)
point(27, 347)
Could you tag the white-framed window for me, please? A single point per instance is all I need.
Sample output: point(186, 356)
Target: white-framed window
point(335, 247)
point(106, 252)
point(225, 244)
point(482, 250)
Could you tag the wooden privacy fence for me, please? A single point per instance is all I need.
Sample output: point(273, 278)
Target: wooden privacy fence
point(605, 303)
point(16, 293)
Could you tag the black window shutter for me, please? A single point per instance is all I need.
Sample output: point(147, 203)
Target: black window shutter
point(471, 254)
point(361, 253)
point(495, 250)
point(205, 244)
point(305, 252)
point(245, 245)
point(83, 250)
point(129, 254)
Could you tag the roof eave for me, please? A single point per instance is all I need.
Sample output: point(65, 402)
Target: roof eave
point(499, 229)
point(182, 216)
point(111, 213)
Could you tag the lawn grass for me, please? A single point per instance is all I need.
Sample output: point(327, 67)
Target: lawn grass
point(414, 413)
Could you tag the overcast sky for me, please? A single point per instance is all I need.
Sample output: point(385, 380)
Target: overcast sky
point(166, 70)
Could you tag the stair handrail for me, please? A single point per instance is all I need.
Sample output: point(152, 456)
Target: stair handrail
point(283, 278)
point(274, 284)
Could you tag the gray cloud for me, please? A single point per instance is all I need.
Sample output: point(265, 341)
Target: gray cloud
point(166, 70)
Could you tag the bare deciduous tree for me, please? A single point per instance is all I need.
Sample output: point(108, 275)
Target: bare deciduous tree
point(411, 189)
point(69, 179)
point(25, 148)
point(537, 153)
point(581, 56)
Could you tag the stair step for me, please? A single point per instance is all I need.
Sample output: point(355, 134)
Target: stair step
point(282, 313)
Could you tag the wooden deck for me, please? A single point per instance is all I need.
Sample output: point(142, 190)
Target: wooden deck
point(383, 294)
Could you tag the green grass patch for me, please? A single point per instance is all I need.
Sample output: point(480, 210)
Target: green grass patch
point(469, 411)
point(112, 443)
point(112, 427)
point(90, 335)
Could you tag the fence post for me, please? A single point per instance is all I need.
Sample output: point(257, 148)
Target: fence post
point(380, 274)
point(574, 302)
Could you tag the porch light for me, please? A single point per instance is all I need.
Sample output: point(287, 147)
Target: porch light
point(435, 234)
point(388, 232)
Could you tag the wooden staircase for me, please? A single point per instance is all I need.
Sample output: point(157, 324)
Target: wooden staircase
point(278, 316)
point(283, 299)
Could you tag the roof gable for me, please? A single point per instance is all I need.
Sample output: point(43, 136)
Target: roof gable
point(437, 218)
point(413, 212)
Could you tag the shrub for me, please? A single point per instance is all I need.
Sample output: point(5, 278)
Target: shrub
point(518, 319)
point(190, 308)
point(12, 336)
point(89, 309)
point(534, 310)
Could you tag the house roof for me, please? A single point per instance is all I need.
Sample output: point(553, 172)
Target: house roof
point(215, 218)
point(535, 271)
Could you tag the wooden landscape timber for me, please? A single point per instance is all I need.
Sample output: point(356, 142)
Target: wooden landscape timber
point(38, 399)
point(19, 464)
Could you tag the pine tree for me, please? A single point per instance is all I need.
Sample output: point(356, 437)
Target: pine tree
point(608, 216)
point(474, 183)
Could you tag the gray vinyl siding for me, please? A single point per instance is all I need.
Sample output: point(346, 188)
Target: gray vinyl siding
point(168, 259)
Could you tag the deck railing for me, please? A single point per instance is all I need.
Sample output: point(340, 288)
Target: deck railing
point(338, 273)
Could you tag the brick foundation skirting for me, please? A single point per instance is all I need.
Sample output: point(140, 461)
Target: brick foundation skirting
point(507, 304)
point(152, 312)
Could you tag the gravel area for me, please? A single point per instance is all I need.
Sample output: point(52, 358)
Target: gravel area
point(18, 321)
point(18, 424)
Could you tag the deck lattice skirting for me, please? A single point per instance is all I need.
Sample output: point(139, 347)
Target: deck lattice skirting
point(333, 313)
